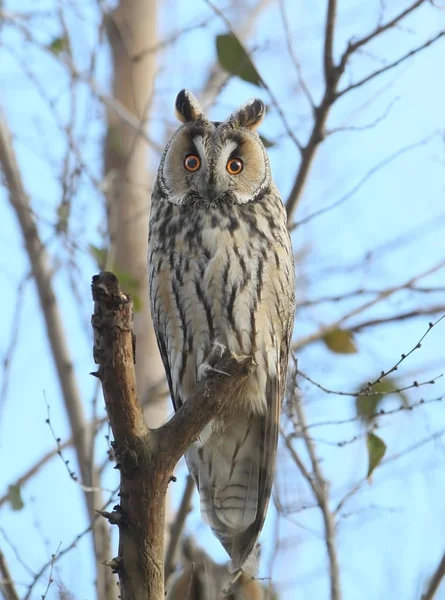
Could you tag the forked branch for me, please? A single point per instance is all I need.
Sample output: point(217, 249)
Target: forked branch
point(147, 457)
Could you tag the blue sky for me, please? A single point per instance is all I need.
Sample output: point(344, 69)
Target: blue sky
point(382, 528)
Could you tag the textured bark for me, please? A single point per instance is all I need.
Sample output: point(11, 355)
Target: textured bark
point(145, 457)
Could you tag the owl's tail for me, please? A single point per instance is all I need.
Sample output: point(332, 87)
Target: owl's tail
point(227, 470)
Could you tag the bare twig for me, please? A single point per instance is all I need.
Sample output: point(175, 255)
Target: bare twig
point(333, 74)
point(328, 59)
point(293, 56)
point(368, 392)
point(411, 314)
point(177, 527)
point(41, 271)
point(435, 580)
point(392, 65)
point(146, 458)
point(325, 329)
point(396, 456)
point(319, 487)
point(366, 177)
point(61, 553)
point(354, 46)
point(332, 77)
point(15, 328)
point(381, 413)
point(50, 577)
point(403, 357)
point(7, 587)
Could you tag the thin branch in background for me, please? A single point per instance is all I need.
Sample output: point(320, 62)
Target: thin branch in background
point(177, 527)
point(435, 581)
point(412, 314)
point(359, 128)
point(319, 486)
point(13, 338)
point(50, 578)
point(368, 392)
point(66, 462)
point(333, 74)
point(61, 355)
point(7, 587)
point(392, 65)
point(367, 292)
point(301, 82)
point(394, 457)
point(403, 357)
point(383, 412)
point(68, 548)
point(328, 58)
point(155, 393)
point(325, 329)
point(172, 38)
point(354, 46)
point(17, 553)
point(373, 171)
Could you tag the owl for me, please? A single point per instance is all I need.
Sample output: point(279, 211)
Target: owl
point(221, 276)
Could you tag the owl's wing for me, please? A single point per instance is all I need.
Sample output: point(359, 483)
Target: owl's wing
point(162, 345)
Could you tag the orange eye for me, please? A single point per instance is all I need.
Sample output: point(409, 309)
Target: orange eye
point(235, 166)
point(192, 162)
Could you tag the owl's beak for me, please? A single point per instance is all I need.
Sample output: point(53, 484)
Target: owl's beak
point(212, 193)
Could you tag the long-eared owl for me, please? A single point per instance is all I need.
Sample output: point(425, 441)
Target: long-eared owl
point(221, 275)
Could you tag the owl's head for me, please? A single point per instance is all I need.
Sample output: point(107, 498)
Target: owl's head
point(212, 162)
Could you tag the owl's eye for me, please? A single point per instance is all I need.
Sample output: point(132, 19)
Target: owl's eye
point(192, 162)
point(235, 166)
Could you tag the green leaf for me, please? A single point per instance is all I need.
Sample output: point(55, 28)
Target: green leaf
point(100, 255)
point(266, 142)
point(63, 213)
point(368, 406)
point(15, 497)
point(58, 45)
point(376, 451)
point(130, 285)
point(234, 59)
point(340, 341)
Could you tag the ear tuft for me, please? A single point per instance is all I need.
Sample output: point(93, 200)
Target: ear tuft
point(187, 107)
point(250, 115)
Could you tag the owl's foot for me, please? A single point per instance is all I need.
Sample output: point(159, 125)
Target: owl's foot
point(209, 366)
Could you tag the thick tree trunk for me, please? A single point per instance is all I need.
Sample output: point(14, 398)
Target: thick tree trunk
point(131, 29)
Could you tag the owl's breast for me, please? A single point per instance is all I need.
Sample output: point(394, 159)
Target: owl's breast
point(220, 279)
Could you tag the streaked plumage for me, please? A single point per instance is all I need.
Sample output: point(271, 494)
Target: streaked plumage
point(221, 273)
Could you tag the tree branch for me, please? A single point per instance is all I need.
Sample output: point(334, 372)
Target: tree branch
point(328, 60)
point(396, 63)
point(320, 489)
point(178, 526)
point(41, 271)
point(332, 77)
point(333, 74)
point(325, 329)
point(147, 457)
point(435, 580)
point(7, 587)
point(354, 46)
